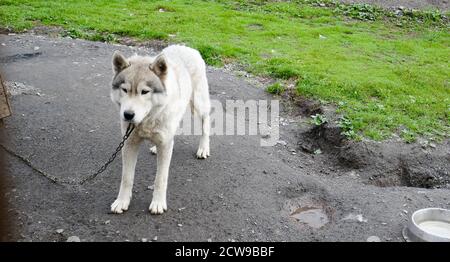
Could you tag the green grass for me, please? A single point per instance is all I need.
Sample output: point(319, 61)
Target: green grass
point(276, 89)
point(318, 119)
point(386, 75)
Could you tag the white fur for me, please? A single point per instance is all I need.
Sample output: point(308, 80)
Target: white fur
point(157, 118)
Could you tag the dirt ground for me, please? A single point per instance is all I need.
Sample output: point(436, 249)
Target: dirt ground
point(65, 125)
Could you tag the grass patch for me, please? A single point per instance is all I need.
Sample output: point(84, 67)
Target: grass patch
point(90, 35)
point(211, 55)
point(386, 74)
point(276, 89)
point(318, 119)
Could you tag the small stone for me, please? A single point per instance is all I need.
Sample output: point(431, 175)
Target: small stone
point(144, 240)
point(373, 239)
point(353, 174)
point(107, 222)
point(180, 225)
point(36, 48)
point(73, 239)
point(209, 240)
point(155, 238)
point(354, 217)
point(151, 187)
point(59, 231)
point(189, 180)
point(282, 142)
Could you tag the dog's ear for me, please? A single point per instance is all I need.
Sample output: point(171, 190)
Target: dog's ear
point(119, 62)
point(159, 66)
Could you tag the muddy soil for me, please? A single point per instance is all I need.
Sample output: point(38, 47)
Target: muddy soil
point(388, 163)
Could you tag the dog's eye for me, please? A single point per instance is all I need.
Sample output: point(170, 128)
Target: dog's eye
point(143, 92)
point(125, 90)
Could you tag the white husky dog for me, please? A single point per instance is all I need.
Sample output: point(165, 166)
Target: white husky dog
point(153, 94)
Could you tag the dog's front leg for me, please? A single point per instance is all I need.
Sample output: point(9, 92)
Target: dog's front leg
point(129, 158)
point(159, 204)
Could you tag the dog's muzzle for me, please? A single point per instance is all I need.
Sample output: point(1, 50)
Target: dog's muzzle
point(128, 116)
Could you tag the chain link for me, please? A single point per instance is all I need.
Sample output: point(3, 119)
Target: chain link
point(57, 180)
point(112, 157)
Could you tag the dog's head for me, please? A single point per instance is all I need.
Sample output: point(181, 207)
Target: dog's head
point(138, 85)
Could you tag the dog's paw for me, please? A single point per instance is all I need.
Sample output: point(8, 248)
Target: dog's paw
point(119, 206)
point(203, 152)
point(153, 150)
point(157, 207)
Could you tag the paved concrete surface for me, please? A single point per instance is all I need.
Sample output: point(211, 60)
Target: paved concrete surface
point(65, 124)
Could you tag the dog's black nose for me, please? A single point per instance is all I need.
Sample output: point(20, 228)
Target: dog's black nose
point(128, 115)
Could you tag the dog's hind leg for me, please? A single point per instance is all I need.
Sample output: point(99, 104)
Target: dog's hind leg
point(129, 158)
point(202, 106)
point(159, 203)
point(203, 147)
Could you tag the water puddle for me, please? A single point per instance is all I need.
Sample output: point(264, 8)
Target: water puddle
point(311, 216)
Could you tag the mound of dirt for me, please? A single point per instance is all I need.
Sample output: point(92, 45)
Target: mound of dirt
point(387, 163)
point(382, 164)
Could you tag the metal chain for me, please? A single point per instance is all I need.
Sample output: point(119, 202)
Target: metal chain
point(57, 180)
point(112, 157)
